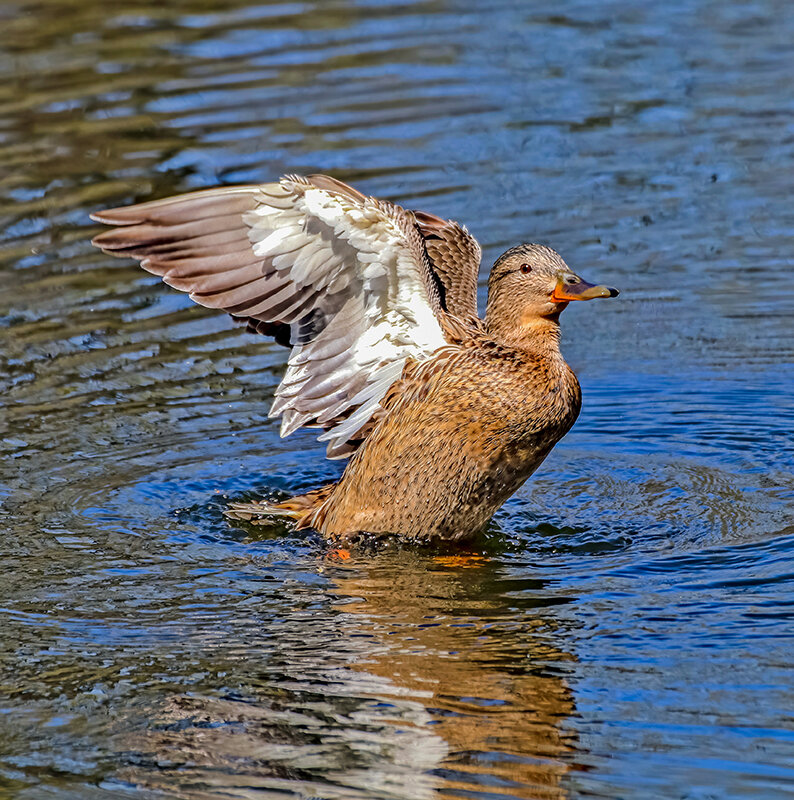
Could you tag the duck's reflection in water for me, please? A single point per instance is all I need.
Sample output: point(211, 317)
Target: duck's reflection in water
point(459, 633)
point(422, 677)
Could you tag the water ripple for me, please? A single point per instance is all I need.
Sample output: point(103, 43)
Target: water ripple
point(623, 629)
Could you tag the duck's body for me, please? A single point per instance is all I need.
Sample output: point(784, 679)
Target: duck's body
point(445, 415)
point(448, 454)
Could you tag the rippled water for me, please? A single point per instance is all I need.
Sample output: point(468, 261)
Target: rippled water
point(626, 627)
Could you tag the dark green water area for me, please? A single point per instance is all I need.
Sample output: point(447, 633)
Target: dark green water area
point(625, 629)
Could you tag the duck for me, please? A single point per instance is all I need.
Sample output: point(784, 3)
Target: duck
point(440, 414)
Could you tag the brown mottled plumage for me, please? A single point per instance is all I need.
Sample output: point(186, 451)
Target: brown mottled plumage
point(445, 415)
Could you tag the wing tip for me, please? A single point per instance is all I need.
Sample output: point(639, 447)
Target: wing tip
point(113, 216)
point(112, 241)
point(103, 241)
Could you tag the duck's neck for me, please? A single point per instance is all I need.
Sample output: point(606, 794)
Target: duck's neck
point(525, 332)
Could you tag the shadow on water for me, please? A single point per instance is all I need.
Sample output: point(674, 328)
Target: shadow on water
point(624, 628)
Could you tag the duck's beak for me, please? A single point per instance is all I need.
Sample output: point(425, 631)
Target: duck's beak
point(580, 290)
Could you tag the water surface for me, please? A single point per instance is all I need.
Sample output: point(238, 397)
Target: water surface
point(625, 628)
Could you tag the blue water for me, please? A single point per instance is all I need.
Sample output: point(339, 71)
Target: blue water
point(624, 630)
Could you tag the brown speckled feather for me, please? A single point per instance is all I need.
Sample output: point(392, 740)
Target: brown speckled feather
point(462, 452)
point(455, 257)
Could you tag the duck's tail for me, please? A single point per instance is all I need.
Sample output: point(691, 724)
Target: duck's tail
point(304, 509)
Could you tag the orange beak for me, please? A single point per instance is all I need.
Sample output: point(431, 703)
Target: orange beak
point(563, 292)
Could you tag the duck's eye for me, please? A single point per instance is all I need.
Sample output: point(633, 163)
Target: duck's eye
point(525, 269)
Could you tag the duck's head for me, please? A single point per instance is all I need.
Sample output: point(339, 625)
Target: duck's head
point(531, 283)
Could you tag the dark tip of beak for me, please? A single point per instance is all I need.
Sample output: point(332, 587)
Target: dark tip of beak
point(582, 290)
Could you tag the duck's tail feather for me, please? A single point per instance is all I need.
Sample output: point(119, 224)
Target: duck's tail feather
point(303, 509)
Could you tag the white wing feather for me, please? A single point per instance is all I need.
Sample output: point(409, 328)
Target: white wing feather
point(347, 273)
point(358, 250)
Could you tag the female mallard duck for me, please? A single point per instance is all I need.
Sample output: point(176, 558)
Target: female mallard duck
point(444, 414)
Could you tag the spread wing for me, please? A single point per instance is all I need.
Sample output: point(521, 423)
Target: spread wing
point(349, 276)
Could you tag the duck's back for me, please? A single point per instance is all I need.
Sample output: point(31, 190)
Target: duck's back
point(463, 431)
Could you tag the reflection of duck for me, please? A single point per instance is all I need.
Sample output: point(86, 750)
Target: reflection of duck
point(446, 415)
point(407, 675)
point(467, 640)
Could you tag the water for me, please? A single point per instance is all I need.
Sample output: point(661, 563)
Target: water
point(625, 628)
